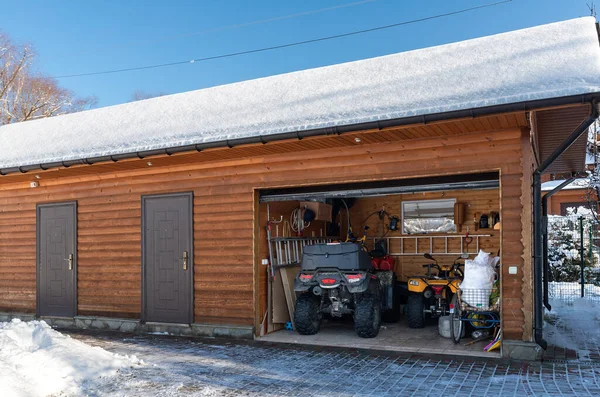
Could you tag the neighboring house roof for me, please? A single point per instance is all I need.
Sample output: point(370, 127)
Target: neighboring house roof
point(543, 62)
point(582, 183)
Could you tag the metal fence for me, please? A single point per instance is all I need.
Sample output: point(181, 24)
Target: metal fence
point(573, 257)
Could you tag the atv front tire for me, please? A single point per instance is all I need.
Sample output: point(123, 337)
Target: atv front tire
point(416, 311)
point(367, 316)
point(307, 318)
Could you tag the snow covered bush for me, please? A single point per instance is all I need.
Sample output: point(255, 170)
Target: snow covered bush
point(564, 242)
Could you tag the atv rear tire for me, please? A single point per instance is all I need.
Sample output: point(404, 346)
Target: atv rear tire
point(416, 311)
point(367, 316)
point(307, 318)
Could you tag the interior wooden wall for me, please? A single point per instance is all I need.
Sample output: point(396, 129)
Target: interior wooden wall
point(476, 201)
point(227, 283)
point(279, 212)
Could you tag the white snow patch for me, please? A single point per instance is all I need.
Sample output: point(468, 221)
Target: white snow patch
point(574, 324)
point(576, 184)
point(542, 62)
point(36, 360)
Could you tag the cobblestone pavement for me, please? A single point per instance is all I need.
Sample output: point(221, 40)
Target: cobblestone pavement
point(193, 367)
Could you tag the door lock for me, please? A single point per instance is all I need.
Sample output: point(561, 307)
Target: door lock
point(70, 260)
point(185, 260)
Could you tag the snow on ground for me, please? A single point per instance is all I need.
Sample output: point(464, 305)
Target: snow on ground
point(36, 360)
point(212, 367)
point(574, 323)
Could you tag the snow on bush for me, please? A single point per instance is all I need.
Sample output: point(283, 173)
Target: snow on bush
point(564, 242)
point(36, 360)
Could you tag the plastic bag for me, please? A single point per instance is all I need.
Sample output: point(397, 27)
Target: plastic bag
point(479, 279)
point(480, 272)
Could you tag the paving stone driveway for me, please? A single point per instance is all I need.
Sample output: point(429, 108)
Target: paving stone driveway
point(194, 367)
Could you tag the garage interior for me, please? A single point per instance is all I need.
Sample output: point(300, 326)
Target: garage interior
point(391, 211)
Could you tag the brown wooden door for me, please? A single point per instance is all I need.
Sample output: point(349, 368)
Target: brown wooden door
point(167, 253)
point(57, 260)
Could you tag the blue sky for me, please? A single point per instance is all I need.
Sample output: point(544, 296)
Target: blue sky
point(86, 36)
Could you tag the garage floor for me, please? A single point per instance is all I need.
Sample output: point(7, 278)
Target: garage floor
point(392, 337)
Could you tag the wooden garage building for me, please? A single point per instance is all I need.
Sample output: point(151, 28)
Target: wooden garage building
point(151, 211)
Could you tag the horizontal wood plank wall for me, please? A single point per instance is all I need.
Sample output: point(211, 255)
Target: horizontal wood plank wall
point(567, 197)
point(109, 217)
point(476, 201)
point(526, 272)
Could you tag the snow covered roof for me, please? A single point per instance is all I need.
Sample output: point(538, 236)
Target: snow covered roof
point(542, 62)
point(576, 184)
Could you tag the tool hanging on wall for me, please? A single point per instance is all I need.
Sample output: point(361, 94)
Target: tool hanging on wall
point(459, 215)
point(298, 220)
point(467, 240)
point(392, 226)
point(270, 223)
point(484, 222)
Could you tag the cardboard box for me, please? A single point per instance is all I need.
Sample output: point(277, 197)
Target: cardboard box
point(322, 211)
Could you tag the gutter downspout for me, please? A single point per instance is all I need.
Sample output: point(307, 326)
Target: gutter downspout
point(538, 265)
point(545, 236)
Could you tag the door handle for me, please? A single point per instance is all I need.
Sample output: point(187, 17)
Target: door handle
point(70, 260)
point(185, 260)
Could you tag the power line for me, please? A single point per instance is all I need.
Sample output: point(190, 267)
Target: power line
point(297, 43)
point(165, 39)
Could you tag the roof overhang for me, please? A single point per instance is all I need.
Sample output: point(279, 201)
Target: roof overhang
point(547, 107)
point(552, 127)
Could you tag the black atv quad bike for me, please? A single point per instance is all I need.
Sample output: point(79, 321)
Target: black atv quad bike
point(338, 279)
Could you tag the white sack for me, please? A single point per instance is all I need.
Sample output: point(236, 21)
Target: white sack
point(479, 278)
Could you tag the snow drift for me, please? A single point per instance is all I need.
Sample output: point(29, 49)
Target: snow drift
point(36, 360)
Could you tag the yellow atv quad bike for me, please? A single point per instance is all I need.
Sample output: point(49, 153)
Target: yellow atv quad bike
point(429, 296)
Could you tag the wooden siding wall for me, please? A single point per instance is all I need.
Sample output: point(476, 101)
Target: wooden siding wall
point(476, 201)
point(566, 197)
point(224, 211)
point(529, 162)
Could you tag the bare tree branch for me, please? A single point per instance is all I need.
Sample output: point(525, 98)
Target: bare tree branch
point(27, 96)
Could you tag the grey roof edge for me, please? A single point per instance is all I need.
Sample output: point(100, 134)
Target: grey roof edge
point(590, 98)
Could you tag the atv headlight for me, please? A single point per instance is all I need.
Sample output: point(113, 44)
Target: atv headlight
point(413, 282)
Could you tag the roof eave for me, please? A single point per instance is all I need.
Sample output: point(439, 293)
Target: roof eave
point(525, 106)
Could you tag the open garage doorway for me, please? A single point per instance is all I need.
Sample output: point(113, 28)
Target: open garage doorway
point(397, 223)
